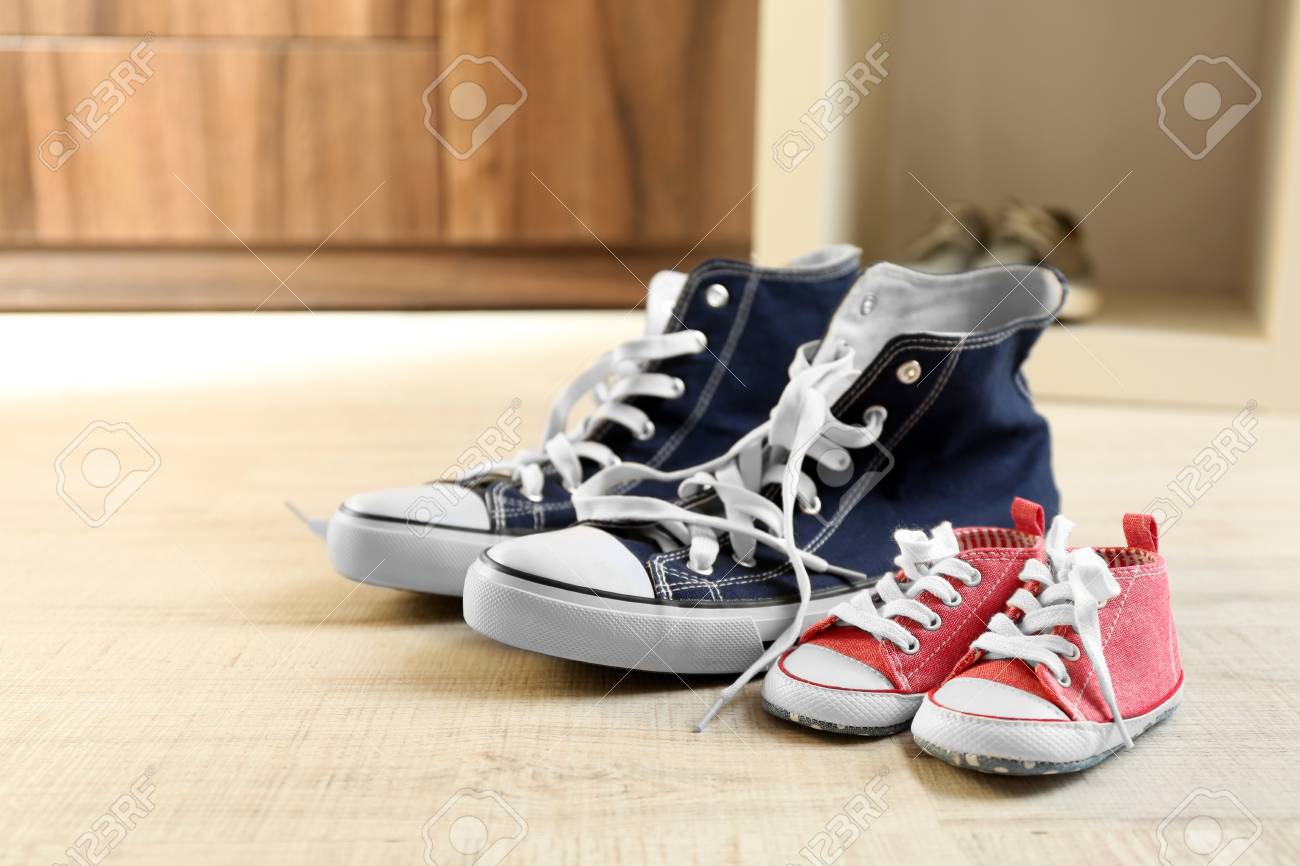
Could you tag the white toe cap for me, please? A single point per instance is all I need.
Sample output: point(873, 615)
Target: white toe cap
point(990, 698)
point(447, 505)
point(823, 666)
point(582, 556)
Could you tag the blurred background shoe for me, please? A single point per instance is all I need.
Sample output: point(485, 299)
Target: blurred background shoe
point(949, 245)
point(1029, 234)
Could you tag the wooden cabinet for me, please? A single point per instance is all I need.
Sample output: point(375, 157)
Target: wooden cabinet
point(156, 126)
point(341, 18)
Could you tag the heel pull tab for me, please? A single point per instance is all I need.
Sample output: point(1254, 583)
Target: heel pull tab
point(1027, 516)
point(1142, 531)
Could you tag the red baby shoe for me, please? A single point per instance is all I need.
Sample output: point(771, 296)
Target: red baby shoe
point(1083, 660)
point(866, 668)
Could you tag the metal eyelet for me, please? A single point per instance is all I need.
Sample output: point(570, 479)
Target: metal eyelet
point(1074, 655)
point(704, 573)
point(745, 563)
point(956, 603)
point(933, 625)
point(647, 430)
point(534, 497)
point(1064, 682)
point(679, 387)
point(909, 373)
point(872, 413)
point(836, 460)
point(868, 303)
point(717, 296)
point(913, 649)
point(813, 507)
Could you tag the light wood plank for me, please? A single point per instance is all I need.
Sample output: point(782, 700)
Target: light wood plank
point(291, 717)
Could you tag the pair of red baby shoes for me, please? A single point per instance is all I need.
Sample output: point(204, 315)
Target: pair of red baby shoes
point(1002, 649)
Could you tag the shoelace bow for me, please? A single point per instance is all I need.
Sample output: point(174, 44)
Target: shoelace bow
point(926, 563)
point(616, 377)
point(1073, 585)
point(801, 426)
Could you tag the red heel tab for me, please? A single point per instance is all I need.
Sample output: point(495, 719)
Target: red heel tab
point(1027, 516)
point(1142, 532)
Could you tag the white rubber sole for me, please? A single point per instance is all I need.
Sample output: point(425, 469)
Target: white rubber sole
point(840, 711)
point(399, 555)
point(621, 632)
point(1021, 747)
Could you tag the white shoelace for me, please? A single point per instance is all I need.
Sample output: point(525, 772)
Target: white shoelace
point(1074, 584)
point(801, 426)
point(926, 562)
point(616, 377)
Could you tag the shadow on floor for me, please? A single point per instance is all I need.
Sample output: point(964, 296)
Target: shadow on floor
point(944, 781)
point(355, 605)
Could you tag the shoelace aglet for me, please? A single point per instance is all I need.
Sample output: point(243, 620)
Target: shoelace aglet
point(316, 525)
point(723, 699)
point(784, 642)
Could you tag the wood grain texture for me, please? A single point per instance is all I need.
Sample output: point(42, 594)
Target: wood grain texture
point(334, 279)
point(639, 121)
point(332, 18)
point(636, 132)
point(279, 144)
point(288, 716)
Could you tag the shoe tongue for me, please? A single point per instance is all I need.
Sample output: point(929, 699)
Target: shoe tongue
point(661, 296)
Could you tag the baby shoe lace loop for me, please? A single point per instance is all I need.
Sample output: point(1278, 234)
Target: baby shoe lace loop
point(1072, 586)
point(617, 377)
point(926, 563)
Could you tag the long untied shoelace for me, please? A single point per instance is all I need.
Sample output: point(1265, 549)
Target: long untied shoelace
point(801, 427)
point(1073, 585)
point(617, 376)
point(926, 563)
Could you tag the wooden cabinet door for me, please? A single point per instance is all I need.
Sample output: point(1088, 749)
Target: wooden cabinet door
point(412, 130)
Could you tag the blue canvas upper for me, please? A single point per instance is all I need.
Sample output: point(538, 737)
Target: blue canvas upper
point(961, 436)
point(752, 337)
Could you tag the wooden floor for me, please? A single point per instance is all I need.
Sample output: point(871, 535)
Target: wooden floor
point(197, 649)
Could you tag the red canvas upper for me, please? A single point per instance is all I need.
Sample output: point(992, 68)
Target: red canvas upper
point(1139, 642)
point(999, 554)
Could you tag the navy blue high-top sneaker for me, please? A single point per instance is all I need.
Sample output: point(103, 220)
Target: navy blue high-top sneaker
point(912, 410)
point(711, 362)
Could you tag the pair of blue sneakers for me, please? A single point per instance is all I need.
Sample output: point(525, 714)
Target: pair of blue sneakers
point(743, 467)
